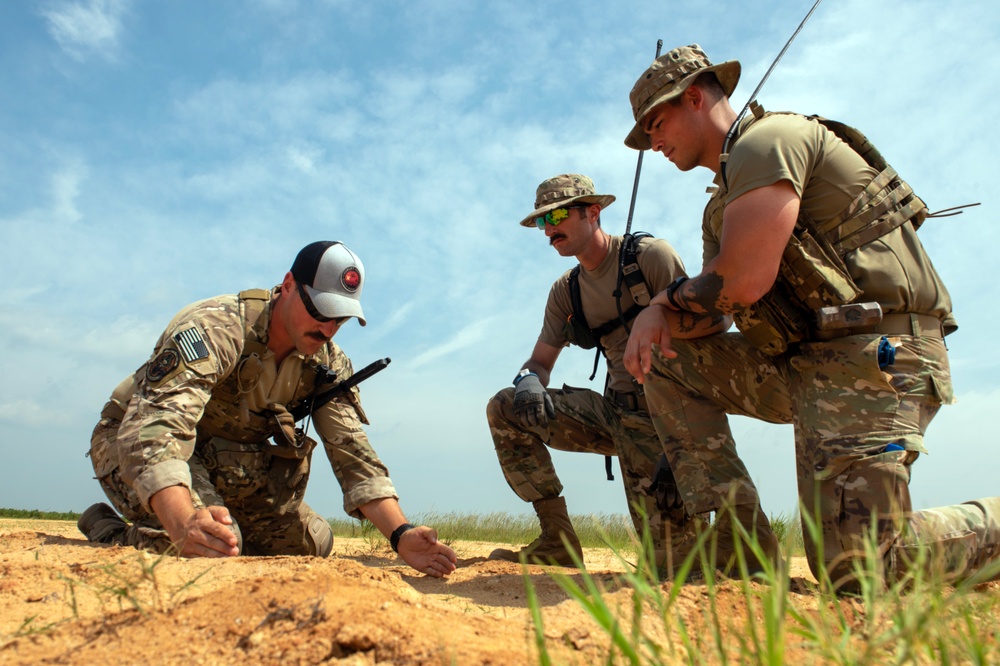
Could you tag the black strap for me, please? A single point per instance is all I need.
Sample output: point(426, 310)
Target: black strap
point(607, 468)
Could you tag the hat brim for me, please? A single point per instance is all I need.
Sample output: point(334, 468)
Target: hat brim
point(728, 74)
point(335, 305)
point(604, 200)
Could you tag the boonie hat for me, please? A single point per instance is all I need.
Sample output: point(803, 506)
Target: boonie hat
point(669, 76)
point(333, 276)
point(562, 191)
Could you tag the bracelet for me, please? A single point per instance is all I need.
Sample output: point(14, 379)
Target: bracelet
point(397, 533)
point(672, 289)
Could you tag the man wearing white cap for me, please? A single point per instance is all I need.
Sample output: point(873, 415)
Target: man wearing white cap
point(183, 446)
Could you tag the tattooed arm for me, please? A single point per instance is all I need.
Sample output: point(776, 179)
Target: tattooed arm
point(755, 230)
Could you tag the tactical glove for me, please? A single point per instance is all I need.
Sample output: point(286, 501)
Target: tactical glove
point(532, 403)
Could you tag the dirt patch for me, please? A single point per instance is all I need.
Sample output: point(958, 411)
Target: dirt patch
point(63, 600)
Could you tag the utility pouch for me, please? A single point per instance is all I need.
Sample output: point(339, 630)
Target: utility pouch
point(286, 483)
point(237, 469)
point(816, 274)
point(579, 333)
point(773, 322)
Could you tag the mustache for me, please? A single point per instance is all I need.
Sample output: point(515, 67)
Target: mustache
point(553, 237)
point(316, 335)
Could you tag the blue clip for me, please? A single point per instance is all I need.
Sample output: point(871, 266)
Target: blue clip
point(886, 353)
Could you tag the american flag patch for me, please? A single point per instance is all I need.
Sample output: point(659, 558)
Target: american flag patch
point(191, 344)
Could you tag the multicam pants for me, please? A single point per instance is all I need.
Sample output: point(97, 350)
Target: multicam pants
point(586, 422)
point(263, 494)
point(858, 429)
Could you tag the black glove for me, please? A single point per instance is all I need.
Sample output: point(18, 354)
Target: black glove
point(532, 403)
point(664, 488)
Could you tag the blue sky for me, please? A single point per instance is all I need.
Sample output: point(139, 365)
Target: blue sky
point(156, 153)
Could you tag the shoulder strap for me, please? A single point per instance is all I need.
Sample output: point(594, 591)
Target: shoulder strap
point(631, 273)
point(253, 303)
point(574, 296)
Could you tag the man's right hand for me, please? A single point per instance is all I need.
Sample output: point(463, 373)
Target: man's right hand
point(207, 533)
point(532, 403)
point(196, 533)
point(650, 328)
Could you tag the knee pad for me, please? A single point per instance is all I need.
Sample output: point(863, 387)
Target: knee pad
point(235, 527)
point(320, 536)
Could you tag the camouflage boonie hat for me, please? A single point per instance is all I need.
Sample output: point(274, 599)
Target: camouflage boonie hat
point(669, 76)
point(563, 190)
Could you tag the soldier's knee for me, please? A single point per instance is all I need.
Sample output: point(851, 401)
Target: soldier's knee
point(235, 527)
point(319, 536)
point(849, 497)
point(498, 409)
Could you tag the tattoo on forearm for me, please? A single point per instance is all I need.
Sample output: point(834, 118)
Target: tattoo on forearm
point(703, 294)
point(691, 322)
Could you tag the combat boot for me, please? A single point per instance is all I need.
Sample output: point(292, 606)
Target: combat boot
point(101, 524)
point(548, 548)
point(727, 538)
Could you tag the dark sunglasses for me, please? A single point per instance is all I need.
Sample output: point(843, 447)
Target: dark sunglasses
point(555, 217)
point(313, 312)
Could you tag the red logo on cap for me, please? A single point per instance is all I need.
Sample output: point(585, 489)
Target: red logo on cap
point(351, 279)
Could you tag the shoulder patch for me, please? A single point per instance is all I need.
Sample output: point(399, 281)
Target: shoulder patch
point(162, 365)
point(191, 344)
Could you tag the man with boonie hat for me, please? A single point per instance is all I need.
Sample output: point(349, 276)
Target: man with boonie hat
point(527, 419)
point(810, 246)
point(183, 446)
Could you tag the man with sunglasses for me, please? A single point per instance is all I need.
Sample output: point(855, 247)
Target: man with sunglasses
point(527, 419)
point(183, 448)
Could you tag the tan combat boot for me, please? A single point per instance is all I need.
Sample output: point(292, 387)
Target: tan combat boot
point(547, 548)
point(102, 524)
point(726, 537)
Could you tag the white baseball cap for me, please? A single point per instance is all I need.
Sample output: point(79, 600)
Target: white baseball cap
point(332, 276)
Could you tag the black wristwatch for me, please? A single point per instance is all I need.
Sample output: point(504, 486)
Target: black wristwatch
point(396, 534)
point(672, 289)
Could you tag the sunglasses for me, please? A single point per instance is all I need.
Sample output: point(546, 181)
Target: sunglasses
point(555, 217)
point(313, 312)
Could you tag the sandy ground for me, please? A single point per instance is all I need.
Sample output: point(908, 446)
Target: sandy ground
point(63, 600)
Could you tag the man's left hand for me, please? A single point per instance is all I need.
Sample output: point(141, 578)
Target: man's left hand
point(421, 549)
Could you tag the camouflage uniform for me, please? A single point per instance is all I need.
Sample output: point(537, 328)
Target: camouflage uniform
point(616, 424)
point(859, 415)
point(199, 414)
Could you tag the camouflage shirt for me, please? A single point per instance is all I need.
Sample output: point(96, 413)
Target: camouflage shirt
point(199, 383)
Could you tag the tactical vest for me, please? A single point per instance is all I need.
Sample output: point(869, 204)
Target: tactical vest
point(812, 273)
point(227, 414)
point(577, 330)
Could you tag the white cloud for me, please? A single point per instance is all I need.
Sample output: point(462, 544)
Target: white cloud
point(82, 29)
point(467, 336)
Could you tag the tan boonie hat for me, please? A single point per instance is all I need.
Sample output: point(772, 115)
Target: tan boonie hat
point(563, 190)
point(669, 76)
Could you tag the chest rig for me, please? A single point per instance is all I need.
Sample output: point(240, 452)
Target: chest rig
point(812, 273)
point(227, 414)
point(578, 331)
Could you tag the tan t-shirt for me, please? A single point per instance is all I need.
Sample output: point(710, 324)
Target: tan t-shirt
point(827, 174)
point(659, 264)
